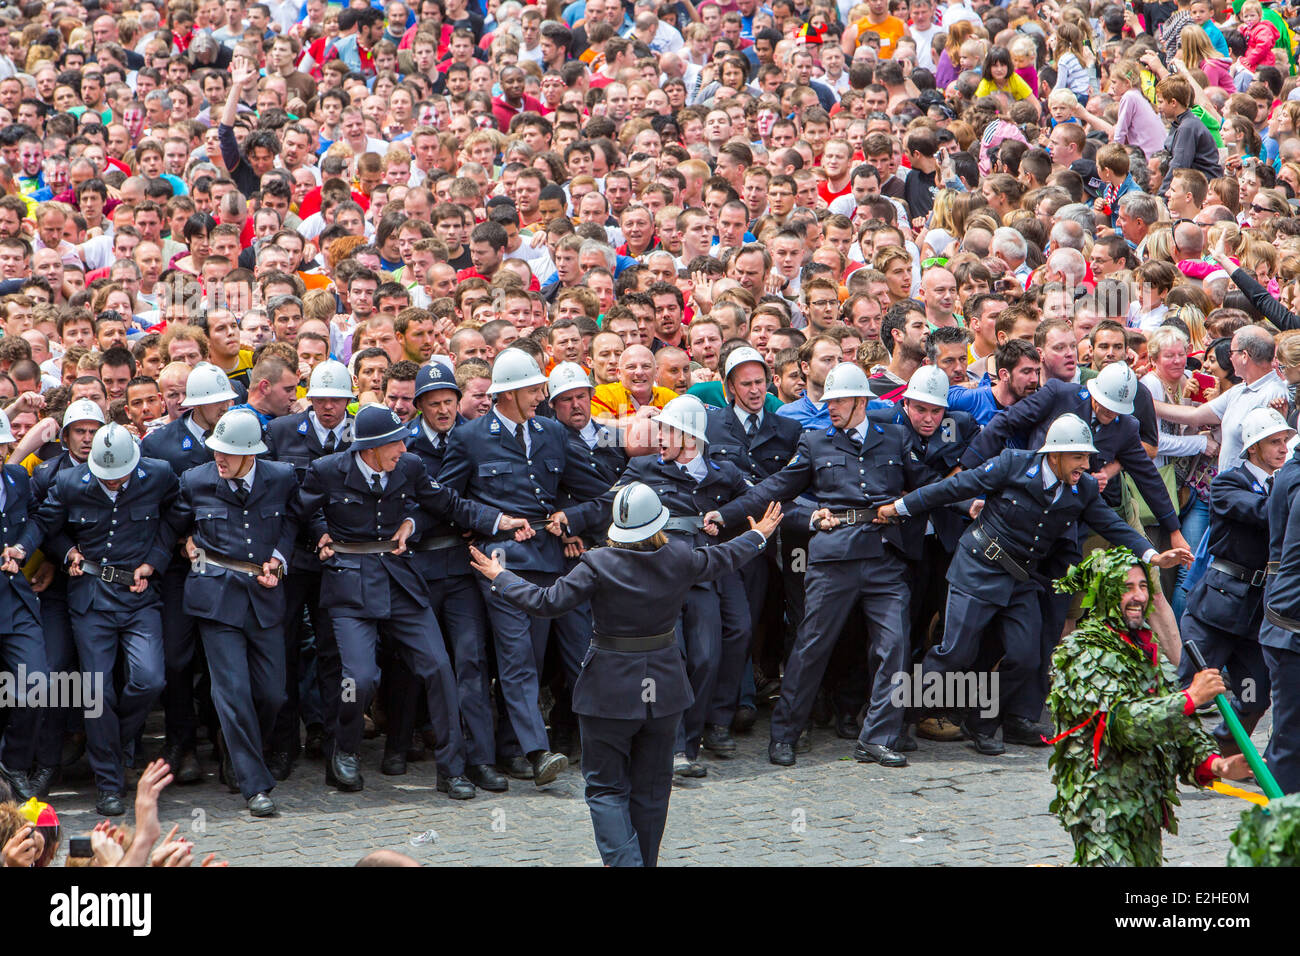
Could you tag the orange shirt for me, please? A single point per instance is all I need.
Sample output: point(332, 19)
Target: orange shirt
point(615, 400)
point(890, 31)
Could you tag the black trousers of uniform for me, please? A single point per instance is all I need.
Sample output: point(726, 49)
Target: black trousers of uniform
point(247, 669)
point(413, 631)
point(302, 592)
point(628, 766)
point(1246, 673)
point(61, 658)
point(1283, 753)
point(22, 645)
point(879, 585)
point(180, 643)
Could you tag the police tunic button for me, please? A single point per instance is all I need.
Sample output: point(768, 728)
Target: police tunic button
point(114, 521)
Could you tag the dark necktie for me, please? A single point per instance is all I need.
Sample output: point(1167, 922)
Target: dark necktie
point(520, 440)
point(242, 491)
point(1051, 491)
point(856, 439)
point(331, 444)
point(751, 426)
point(1268, 485)
point(377, 483)
point(439, 442)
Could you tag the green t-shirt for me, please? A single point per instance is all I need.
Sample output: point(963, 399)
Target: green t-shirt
point(710, 393)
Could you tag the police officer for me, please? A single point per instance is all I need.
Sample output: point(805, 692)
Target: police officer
point(441, 558)
point(1225, 607)
point(1106, 403)
point(758, 443)
point(110, 510)
point(849, 470)
point(235, 511)
point(1280, 644)
point(362, 505)
point(1032, 499)
point(22, 647)
point(180, 443)
point(633, 687)
point(691, 484)
point(81, 420)
point(569, 391)
point(299, 439)
point(515, 462)
point(939, 436)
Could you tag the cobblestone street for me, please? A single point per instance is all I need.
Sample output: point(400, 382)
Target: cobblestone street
point(951, 806)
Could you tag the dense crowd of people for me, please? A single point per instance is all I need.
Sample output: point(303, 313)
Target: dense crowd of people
point(300, 302)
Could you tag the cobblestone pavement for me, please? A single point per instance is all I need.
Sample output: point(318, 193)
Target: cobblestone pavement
point(951, 806)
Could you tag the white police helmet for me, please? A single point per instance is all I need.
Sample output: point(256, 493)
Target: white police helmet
point(846, 380)
point(113, 453)
point(929, 385)
point(565, 377)
point(330, 379)
point(207, 385)
point(686, 414)
point(1069, 433)
point(1114, 388)
point(638, 514)
point(238, 432)
point(514, 368)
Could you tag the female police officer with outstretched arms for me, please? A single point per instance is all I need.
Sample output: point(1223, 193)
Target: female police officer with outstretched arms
point(633, 687)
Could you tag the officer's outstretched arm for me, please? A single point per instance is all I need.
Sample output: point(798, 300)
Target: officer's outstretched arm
point(785, 485)
point(47, 522)
point(1021, 418)
point(970, 483)
point(567, 593)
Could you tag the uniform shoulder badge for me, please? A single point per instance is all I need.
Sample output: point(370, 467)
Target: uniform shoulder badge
point(830, 431)
point(989, 466)
point(139, 473)
point(878, 429)
point(302, 427)
point(187, 443)
point(1032, 471)
point(494, 426)
point(794, 459)
point(85, 479)
point(537, 426)
point(1084, 393)
point(913, 454)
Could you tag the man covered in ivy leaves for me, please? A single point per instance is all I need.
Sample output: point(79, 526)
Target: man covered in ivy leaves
point(1126, 732)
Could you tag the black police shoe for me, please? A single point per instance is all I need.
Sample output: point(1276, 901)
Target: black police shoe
point(393, 765)
point(344, 772)
point(517, 766)
point(280, 764)
point(986, 744)
point(878, 753)
point(487, 777)
point(108, 803)
point(847, 727)
point(41, 780)
point(315, 745)
point(18, 783)
point(547, 765)
point(458, 788)
point(184, 764)
point(718, 740)
point(261, 805)
point(744, 720)
point(780, 753)
point(1017, 730)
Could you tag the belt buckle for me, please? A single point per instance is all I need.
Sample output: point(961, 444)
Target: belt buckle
point(994, 551)
point(107, 573)
point(851, 517)
point(1258, 578)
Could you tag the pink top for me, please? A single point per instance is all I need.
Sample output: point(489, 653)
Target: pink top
point(1217, 73)
point(1030, 75)
point(1138, 125)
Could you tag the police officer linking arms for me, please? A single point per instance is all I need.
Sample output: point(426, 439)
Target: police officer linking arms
point(633, 689)
point(233, 515)
point(850, 470)
point(1034, 503)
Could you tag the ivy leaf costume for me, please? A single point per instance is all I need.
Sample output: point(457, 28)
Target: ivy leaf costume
point(1125, 734)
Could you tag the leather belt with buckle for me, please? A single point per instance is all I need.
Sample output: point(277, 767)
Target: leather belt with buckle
point(539, 526)
point(1272, 567)
point(689, 525)
point(1233, 570)
point(856, 516)
point(364, 547)
point(109, 574)
point(635, 644)
point(231, 564)
point(994, 552)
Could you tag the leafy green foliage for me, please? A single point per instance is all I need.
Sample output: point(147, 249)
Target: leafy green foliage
point(1268, 838)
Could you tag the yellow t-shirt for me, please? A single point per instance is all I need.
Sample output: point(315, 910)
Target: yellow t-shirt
point(614, 399)
point(1016, 86)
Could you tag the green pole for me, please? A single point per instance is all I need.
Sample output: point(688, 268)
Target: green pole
point(1257, 766)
